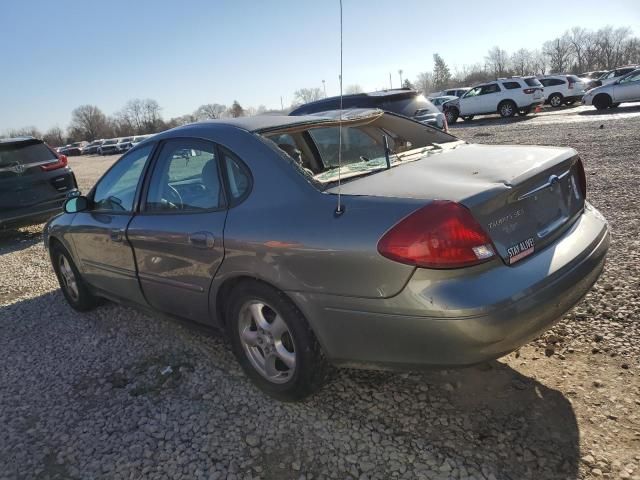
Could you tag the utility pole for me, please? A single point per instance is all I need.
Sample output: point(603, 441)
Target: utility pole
point(324, 86)
point(400, 73)
point(390, 83)
point(281, 104)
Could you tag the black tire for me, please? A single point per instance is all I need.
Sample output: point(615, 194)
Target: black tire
point(451, 114)
point(614, 105)
point(602, 101)
point(555, 100)
point(468, 118)
point(80, 298)
point(311, 368)
point(507, 109)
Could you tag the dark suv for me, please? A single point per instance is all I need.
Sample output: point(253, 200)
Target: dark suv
point(34, 182)
point(403, 101)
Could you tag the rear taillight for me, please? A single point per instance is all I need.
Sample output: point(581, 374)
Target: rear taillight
point(582, 178)
point(442, 234)
point(61, 163)
point(529, 90)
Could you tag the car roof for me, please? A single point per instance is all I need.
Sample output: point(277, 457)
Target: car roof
point(272, 122)
point(18, 140)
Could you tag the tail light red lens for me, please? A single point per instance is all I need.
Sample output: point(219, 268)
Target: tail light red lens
point(61, 163)
point(442, 234)
point(582, 178)
point(529, 90)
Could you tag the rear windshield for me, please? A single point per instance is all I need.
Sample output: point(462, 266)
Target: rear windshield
point(410, 106)
point(532, 82)
point(24, 153)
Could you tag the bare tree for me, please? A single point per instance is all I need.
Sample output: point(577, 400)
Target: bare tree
point(558, 52)
point(151, 116)
point(497, 61)
point(424, 82)
point(354, 88)
point(306, 95)
point(578, 39)
point(522, 62)
point(24, 132)
point(540, 64)
point(209, 111)
point(88, 122)
point(54, 137)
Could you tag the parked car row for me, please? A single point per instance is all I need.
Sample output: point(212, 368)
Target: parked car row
point(612, 94)
point(101, 146)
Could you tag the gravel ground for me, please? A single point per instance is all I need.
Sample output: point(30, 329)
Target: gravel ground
point(91, 395)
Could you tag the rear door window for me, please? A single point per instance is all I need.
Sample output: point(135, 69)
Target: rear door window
point(510, 85)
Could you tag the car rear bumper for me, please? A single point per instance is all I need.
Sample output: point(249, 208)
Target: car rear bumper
point(455, 318)
point(34, 214)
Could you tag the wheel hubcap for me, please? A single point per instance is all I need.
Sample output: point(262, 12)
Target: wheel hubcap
point(69, 282)
point(506, 109)
point(267, 342)
point(555, 101)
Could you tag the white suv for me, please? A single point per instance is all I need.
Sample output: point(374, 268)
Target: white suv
point(506, 96)
point(562, 89)
point(625, 89)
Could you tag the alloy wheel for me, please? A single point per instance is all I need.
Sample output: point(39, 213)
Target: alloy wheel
point(267, 341)
point(555, 101)
point(69, 281)
point(506, 110)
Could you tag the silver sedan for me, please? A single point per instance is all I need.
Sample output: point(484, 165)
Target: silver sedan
point(368, 241)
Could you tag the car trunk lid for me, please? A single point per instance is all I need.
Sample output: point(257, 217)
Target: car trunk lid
point(524, 197)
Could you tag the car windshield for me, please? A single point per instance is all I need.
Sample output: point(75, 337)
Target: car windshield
point(362, 147)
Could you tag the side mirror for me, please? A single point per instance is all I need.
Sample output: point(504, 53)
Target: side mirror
point(76, 204)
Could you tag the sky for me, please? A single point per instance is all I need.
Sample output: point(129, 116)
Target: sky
point(58, 55)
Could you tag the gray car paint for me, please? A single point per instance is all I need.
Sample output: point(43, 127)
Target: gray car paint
point(286, 233)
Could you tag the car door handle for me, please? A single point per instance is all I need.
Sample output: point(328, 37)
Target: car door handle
point(116, 235)
point(202, 240)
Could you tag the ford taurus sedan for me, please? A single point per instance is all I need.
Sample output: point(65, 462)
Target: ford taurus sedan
point(394, 245)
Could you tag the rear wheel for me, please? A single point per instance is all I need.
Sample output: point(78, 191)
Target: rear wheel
point(451, 114)
point(467, 118)
point(555, 100)
point(273, 342)
point(507, 109)
point(73, 287)
point(602, 101)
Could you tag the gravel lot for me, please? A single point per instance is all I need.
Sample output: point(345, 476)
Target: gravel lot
point(90, 395)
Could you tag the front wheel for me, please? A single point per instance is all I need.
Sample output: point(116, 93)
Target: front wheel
point(73, 287)
point(602, 101)
point(451, 114)
point(273, 342)
point(507, 109)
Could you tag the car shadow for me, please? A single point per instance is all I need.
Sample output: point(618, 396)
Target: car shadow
point(612, 111)
point(491, 419)
point(509, 424)
point(490, 120)
point(13, 240)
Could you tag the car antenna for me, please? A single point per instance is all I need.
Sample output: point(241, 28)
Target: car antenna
point(340, 208)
